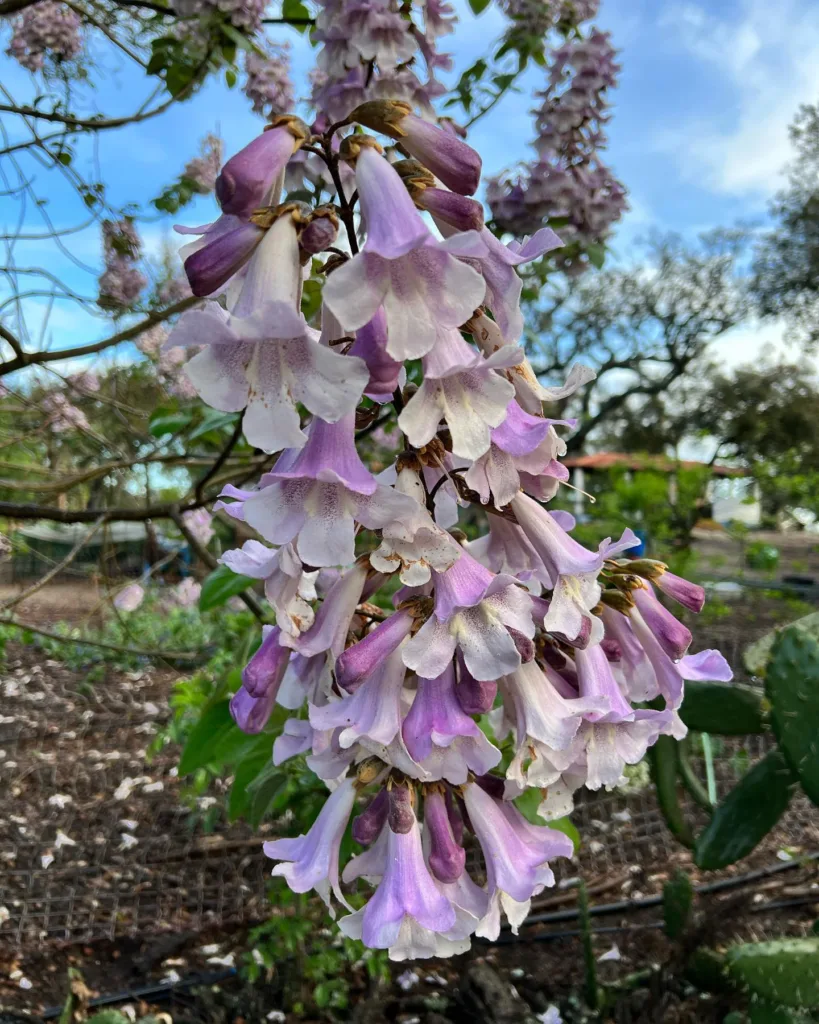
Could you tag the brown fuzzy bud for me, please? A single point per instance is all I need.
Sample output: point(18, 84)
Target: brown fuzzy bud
point(383, 116)
point(353, 144)
point(297, 128)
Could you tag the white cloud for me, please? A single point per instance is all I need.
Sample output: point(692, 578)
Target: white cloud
point(767, 57)
point(752, 342)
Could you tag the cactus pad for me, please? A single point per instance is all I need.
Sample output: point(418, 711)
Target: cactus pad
point(792, 684)
point(784, 972)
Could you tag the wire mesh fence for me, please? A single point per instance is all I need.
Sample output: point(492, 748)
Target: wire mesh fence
point(96, 840)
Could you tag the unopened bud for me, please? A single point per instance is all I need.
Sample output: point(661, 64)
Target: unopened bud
point(319, 233)
point(384, 116)
point(401, 815)
point(618, 600)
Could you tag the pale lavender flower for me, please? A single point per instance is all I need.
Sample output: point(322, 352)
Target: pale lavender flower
point(420, 283)
point(186, 593)
point(287, 587)
point(121, 282)
point(266, 366)
point(130, 598)
point(268, 85)
point(62, 416)
point(45, 30)
point(440, 737)
point(409, 912)
point(313, 497)
point(488, 617)
point(517, 857)
point(311, 861)
point(203, 170)
point(200, 523)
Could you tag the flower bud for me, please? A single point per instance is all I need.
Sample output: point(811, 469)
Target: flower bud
point(458, 211)
point(216, 262)
point(401, 814)
point(475, 697)
point(248, 178)
point(446, 858)
point(448, 157)
point(367, 826)
point(320, 233)
point(266, 668)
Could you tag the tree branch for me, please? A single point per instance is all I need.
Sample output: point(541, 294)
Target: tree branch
point(38, 358)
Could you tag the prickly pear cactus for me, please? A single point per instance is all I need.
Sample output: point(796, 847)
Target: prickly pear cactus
point(784, 972)
point(792, 685)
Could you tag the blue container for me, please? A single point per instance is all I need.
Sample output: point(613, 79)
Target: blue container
point(639, 550)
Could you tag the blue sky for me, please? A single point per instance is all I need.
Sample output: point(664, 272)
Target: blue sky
point(698, 133)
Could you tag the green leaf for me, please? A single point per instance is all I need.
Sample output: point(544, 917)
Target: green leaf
point(527, 803)
point(746, 815)
point(213, 421)
point(213, 726)
point(478, 6)
point(664, 770)
point(296, 11)
point(756, 656)
point(678, 897)
point(264, 788)
point(230, 78)
point(246, 772)
point(236, 37)
point(792, 686)
point(220, 586)
point(168, 420)
point(596, 253)
point(723, 709)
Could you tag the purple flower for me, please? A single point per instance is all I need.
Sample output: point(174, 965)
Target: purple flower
point(671, 634)
point(361, 659)
point(314, 497)
point(448, 157)
point(447, 857)
point(250, 177)
point(372, 713)
point(441, 737)
point(129, 598)
point(311, 860)
point(295, 738)
point(287, 586)
point(462, 388)
point(267, 367)
point(545, 724)
point(407, 904)
point(522, 448)
point(488, 617)
point(226, 247)
point(370, 345)
point(265, 670)
point(517, 857)
point(334, 617)
point(688, 594)
point(420, 283)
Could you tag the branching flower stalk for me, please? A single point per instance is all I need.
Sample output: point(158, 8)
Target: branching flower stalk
point(521, 629)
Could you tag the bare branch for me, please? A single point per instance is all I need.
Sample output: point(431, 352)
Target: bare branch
point(153, 318)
